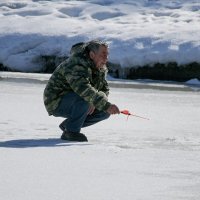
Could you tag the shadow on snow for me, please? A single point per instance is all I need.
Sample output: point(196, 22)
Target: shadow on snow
point(29, 143)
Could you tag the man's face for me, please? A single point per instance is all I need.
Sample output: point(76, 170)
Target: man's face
point(100, 58)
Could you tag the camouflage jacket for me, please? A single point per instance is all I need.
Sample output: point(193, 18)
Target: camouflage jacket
point(77, 74)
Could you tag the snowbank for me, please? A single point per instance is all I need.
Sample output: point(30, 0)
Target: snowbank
point(139, 32)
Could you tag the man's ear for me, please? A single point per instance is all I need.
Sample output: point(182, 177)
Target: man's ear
point(92, 55)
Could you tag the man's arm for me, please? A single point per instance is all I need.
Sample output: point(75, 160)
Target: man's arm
point(78, 78)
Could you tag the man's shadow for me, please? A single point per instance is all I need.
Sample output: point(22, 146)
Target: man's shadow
point(30, 143)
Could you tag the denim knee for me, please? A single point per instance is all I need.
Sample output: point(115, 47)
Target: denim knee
point(106, 115)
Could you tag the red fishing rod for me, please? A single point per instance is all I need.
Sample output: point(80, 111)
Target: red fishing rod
point(126, 112)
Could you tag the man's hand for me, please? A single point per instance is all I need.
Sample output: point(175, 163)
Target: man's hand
point(113, 109)
point(91, 110)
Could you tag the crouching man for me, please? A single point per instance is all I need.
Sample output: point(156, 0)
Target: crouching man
point(78, 90)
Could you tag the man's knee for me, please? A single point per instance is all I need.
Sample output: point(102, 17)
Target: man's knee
point(80, 107)
point(104, 115)
point(107, 115)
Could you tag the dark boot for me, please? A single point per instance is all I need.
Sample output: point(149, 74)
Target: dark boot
point(70, 136)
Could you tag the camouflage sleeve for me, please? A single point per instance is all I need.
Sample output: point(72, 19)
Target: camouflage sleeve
point(78, 78)
point(105, 88)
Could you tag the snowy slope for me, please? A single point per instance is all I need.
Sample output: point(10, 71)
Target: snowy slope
point(139, 32)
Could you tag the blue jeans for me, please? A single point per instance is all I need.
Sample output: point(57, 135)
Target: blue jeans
point(75, 109)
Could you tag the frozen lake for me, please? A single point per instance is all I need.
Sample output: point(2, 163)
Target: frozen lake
point(124, 159)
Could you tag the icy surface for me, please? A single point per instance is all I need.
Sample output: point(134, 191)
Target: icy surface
point(139, 31)
point(136, 159)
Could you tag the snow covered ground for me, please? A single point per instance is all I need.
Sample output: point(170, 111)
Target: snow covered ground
point(139, 31)
point(136, 159)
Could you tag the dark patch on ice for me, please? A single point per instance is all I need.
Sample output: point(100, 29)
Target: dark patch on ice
point(29, 143)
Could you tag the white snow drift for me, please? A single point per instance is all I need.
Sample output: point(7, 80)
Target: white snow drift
point(139, 32)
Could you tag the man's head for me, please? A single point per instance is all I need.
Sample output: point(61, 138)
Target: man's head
point(98, 52)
